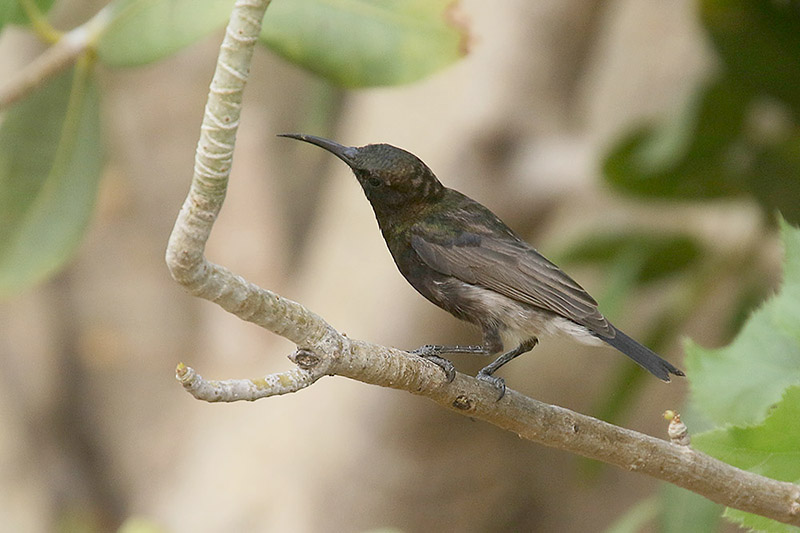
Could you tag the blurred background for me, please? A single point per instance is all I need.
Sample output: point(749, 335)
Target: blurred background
point(558, 106)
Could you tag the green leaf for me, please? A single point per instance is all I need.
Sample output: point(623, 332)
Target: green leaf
point(771, 449)
point(360, 43)
point(50, 164)
point(759, 43)
point(693, 155)
point(739, 383)
point(12, 13)
point(757, 523)
point(143, 31)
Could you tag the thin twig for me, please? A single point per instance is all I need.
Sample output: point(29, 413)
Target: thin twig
point(324, 351)
point(55, 59)
point(234, 390)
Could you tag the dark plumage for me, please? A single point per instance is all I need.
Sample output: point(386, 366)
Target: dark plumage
point(462, 257)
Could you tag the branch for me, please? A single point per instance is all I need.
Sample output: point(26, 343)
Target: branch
point(323, 351)
point(58, 57)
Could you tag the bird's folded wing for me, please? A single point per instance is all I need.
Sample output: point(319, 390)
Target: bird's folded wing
point(513, 269)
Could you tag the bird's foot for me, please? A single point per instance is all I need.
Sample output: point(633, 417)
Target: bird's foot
point(498, 383)
point(444, 364)
point(430, 352)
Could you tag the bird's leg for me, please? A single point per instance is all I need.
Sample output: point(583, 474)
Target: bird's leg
point(432, 352)
point(486, 374)
point(436, 349)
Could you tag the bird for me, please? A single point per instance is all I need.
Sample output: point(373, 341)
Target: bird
point(461, 257)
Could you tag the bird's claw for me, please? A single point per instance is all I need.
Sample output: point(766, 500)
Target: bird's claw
point(445, 365)
point(429, 352)
point(498, 383)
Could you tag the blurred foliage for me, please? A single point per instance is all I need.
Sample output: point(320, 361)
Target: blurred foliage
point(141, 32)
point(648, 257)
point(11, 11)
point(420, 37)
point(759, 43)
point(739, 134)
point(50, 165)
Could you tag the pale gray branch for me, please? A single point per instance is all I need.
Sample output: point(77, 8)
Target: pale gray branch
point(234, 390)
point(324, 351)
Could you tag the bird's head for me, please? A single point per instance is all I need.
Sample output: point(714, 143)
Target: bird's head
point(391, 177)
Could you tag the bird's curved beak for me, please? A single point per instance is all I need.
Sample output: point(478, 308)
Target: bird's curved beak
point(345, 153)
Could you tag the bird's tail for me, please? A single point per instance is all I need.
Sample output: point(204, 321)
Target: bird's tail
point(644, 356)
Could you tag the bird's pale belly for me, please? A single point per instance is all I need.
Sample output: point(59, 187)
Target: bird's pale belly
point(515, 321)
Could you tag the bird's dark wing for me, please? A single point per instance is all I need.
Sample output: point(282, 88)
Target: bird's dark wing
point(501, 262)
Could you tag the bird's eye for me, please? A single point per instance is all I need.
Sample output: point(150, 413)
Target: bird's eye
point(374, 182)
